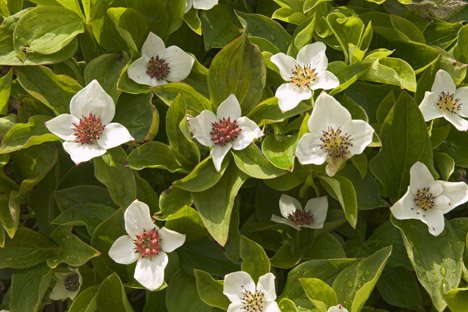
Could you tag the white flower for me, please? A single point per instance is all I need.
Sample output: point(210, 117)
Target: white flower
point(146, 244)
point(88, 131)
point(295, 216)
point(428, 200)
point(68, 285)
point(445, 100)
point(333, 136)
point(306, 73)
point(337, 308)
point(200, 4)
point(224, 130)
point(158, 64)
point(244, 296)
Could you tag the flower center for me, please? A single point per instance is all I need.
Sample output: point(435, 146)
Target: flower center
point(147, 243)
point(72, 282)
point(224, 131)
point(157, 68)
point(89, 129)
point(424, 199)
point(303, 76)
point(448, 103)
point(252, 302)
point(301, 217)
point(335, 143)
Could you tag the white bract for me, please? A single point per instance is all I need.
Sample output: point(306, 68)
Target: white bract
point(225, 130)
point(312, 216)
point(445, 100)
point(146, 244)
point(200, 4)
point(428, 200)
point(306, 73)
point(337, 308)
point(68, 285)
point(88, 132)
point(245, 296)
point(333, 136)
point(158, 64)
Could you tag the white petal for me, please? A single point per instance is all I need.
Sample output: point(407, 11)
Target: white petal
point(437, 188)
point(272, 307)
point(201, 126)
point(62, 126)
point(137, 72)
point(308, 150)
point(114, 134)
point(266, 284)
point(59, 292)
point(434, 220)
point(326, 81)
point(420, 177)
point(462, 95)
point(153, 46)
point(318, 207)
point(170, 240)
point(236, 307)
point(442, 203)
point(289, 96)
point(82, 152)
point(334, 164)
point(249, 132)
point(288, 205)
point(361, 135)
point(459, 123)
point(218, 153)
point(229, 108)
point(93, 99)
point(204, 4)
point(188, 6)
point(180, 63)
point(277, 219)
point(122, 250)
point(337, 308)
point(443, 82)
point(328, 112)
point(137, 218)
point(457, 192)
point(405, 207)
point(150, 273)
point(235, 282)
point(285, 64)
point(428, 106)
point(313, 54)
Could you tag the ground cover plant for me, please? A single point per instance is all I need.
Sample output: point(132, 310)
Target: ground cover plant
point(239, 155)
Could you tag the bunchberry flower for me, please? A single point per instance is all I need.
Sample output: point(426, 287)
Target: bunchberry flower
point(200, 4)
point(337, 308)
point(312, 216)
point(245, 296)
point(146, 244)
point(225, 130)
point(68, 285)
point(333, 136)
point(445, 100)
point(88, 132)
point(306, 73)
point(428, 200)
point(158, 64)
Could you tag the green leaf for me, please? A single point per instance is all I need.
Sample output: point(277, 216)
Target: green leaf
point(131, 25)
point(112, 170)
point(67, 198)
point(355, 283)
point(455, 146)
point(210, 290)
point(404, 141)
point(46, 30)
point(342, 189)
point(85, 301)
point(457, 299)
point(419, 55)
point(173, 199)
point(186, 221)
point(302, 35)
point(460, 51)
point(437, 261)
point(238, 69)
point(218, 26)
point(347, 74)
point(202, 177)
point(154, 155)
point(5, 87)
point(279, 150)
point(252, 162)
point(319, 293)
point(54, 91)
point(215, 204)
point(111, 295)
point(194, 101)
point(446, 165)
point(87, 214)
point(28, 288)
point(268, 111)
point(254, 259)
